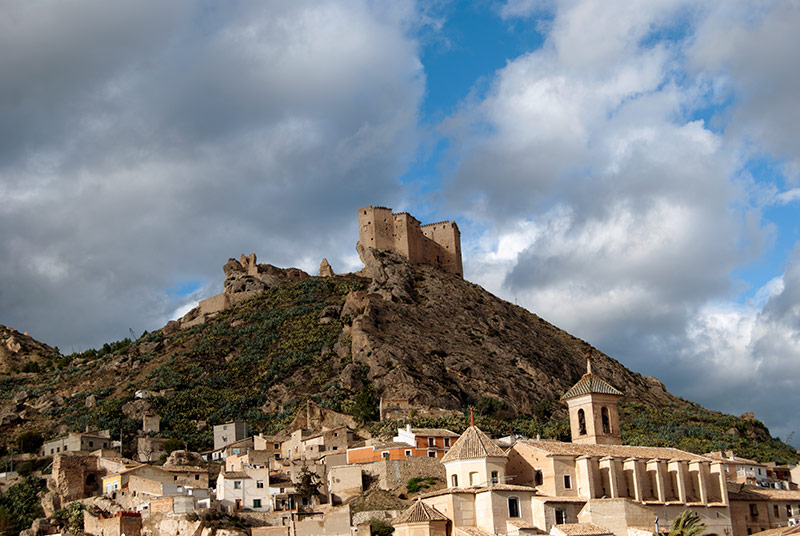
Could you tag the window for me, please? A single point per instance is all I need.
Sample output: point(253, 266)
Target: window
point(197, 477)
point(91, 443)
point(753, 510)
point(431, 441)
point(776, 511)
point(431, 454)
point(276, 446)
point(408, 454)
point(606, 421)
point(581, 422)
point(788, 510)
point(256, 503)
point(260, 484)
point(454, 481)
point(561, 516)
point(237, 484)
point(538, 478)
point(447, 442)
point(494, 477)
point(175, 478)
point(385, 455)
point(513, 507)
point(567, 482)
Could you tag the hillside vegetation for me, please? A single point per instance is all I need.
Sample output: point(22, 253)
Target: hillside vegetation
point(407, 331)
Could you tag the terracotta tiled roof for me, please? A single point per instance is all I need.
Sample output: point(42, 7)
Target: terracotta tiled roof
point(385, 445)
point(473, 444)
point(589, 383)
point(481, 489)
point(435, 432)
point(470, 531)
point(420, 512)
point(619, 451)
point(771, 493)
point(582, 529)
point(235, 475)
point(780, 531)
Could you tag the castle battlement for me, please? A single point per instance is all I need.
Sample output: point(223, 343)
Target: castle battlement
point(437, 243)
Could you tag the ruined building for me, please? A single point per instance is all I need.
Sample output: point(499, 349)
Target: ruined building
point(438, 243)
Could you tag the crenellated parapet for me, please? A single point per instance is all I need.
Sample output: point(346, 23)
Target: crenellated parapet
point(437, 243)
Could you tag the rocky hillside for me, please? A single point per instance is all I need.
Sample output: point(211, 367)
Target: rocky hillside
point(395, 330)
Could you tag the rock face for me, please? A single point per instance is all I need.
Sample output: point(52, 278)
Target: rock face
point(17, 349)
point(245, 275)
point(440, 341)
point(325, 269)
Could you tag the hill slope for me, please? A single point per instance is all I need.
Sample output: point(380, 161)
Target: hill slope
point(403, 331)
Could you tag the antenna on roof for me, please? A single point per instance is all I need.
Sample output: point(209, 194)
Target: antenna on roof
point(588, 360)
point(471, 417)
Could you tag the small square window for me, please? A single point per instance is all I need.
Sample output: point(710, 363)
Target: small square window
point(237, 484)
point(259, 484)
point(256, 503)
point(431, 454)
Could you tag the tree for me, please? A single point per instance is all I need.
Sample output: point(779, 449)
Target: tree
point(307, 484)
point(687, 524)
point(29, 442)
point(365, 406)
point(173, 444)
point(22, 503)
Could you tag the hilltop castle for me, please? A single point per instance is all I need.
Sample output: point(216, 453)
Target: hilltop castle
point(437, 243)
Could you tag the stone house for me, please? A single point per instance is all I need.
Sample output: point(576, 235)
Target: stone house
point(120, 480)
point(121, 523)
point(755, 509)
point(305, 445)
point(230, 432)
point(409, 442)
point(741, 470)
point(240, 446)
point(77, 442)
point(245, 490)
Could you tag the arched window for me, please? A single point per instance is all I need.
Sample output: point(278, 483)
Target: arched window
point(454, 481)
point(513, 507)
point(581, 422)
point(606, 421)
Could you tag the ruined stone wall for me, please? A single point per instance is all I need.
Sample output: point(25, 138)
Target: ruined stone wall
point(437, 243)
point(393, 474)
point(127, 524)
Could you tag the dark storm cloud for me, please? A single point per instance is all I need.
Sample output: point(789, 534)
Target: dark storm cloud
point(145, 143)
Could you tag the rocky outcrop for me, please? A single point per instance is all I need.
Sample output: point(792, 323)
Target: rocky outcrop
point(440, 341)
point(325, 269)
point(18, 349)
point(245, 275)
point(392, 275)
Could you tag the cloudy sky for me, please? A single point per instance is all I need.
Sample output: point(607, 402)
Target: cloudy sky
point(627, 170)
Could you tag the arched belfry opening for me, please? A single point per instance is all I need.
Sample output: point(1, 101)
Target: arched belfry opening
point(593, 414)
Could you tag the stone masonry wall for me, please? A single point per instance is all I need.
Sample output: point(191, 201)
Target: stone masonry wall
point(394, 474)
point(438, 243)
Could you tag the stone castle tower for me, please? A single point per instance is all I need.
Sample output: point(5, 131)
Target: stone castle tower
point(593, 414)
point(434, 243)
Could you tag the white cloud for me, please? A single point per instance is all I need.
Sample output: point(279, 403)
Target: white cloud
point(627, 216)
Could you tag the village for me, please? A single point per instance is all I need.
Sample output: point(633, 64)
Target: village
point(325, 474)
point(304, 481)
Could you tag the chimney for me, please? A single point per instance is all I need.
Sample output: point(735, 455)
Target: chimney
point(408, 428)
